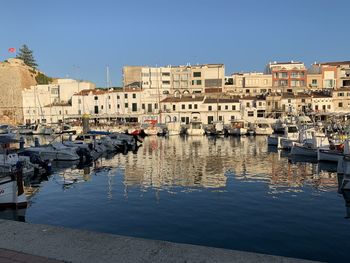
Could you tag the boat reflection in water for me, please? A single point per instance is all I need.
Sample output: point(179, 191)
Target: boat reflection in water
point(234, 193)
point(344, 189)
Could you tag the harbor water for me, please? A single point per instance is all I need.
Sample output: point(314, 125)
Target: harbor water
point(234, 193)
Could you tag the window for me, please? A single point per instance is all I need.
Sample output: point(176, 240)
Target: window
point(233, 107)
point(155, 106)
point(260, 103)
point(340, 104)
point(143, 106)
point(329, 107)
point(109, 106)
point(220, 118)
point(316, 107)
point(210, 108)
point(341, 94)
point(134, 96)
point(126, 105)
point(219, 107)
point(314, 82)
point(197, 74)
point(79, 112)
point(125, 96)
point(303, 100)
point(118, 106)
point(248, 104)
point(195, 106)
point(166, 74)
point(101, 107)
point(134, 107)
point(183, 106)
point(174, 107)
point(79, 101)
point(190, 106)
point(166, 82)
point(118, 97)
point(269, 103)
point(226, 107)
point(96, 98)
point(289, 101)
point(250, 113)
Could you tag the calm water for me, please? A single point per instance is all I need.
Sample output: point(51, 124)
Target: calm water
point(232, 193)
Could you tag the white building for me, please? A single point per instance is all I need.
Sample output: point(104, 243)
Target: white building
point(39, 101)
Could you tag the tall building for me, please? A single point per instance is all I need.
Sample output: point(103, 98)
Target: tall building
point(207, 78)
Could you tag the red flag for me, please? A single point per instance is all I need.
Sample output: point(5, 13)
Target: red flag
point(12, 50)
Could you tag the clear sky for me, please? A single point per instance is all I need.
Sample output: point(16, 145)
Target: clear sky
point(79, 39)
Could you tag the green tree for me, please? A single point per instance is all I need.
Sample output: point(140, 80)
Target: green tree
point(27, 56)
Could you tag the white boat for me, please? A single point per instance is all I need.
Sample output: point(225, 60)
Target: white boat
point(237, 127)
point(291, 135)
point(7, 132)
point(42, 129)
point(174, 128)
point(11, 190)
point(263, 128)
point(195, 128)
point(334, 155)
point(55, 151)
point(9, 161)
point(308, 146)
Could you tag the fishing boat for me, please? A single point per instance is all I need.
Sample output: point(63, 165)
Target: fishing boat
point(335, 152)
point(195, 128)
point(11, 190)
point(310, 141)
point(174, 128)
point(237, 128)
point(263, 128)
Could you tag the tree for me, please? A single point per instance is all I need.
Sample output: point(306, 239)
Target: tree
point(27, 56)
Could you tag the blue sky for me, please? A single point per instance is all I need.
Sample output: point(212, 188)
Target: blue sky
point(80, 38)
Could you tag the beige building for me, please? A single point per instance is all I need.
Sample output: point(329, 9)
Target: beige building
point(341, 100)
point(251, 83)
point(189, 79)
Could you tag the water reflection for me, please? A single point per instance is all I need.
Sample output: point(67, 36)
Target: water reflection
point(198, 163)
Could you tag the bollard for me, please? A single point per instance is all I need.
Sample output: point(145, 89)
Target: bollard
point(21, 143)
point(85, 119)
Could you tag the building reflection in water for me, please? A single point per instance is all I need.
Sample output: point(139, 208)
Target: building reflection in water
point(202, 162)
point(198, 162)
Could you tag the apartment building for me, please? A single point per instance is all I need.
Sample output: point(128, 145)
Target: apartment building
point(341, 100)
point(250, 83)
point(288, 76)
point(189, 79)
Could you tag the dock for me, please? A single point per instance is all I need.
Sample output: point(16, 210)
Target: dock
point(26, 242)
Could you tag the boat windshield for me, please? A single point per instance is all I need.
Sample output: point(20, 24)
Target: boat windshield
point(196, 125)
point(292, 129)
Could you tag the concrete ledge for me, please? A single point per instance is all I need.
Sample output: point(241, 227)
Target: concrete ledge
point(73, 245)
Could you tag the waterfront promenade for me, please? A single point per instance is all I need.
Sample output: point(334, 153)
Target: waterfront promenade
point(24, 242)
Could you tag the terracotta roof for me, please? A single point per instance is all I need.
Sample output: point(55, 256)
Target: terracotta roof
point(336, 63)
point(183, 99)
point(86, 92)
point(61, 104)
point(221, 100)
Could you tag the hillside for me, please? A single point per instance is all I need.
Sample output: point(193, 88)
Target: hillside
point(14, 77)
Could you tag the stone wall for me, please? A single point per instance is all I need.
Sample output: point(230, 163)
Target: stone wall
point(14, 77)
